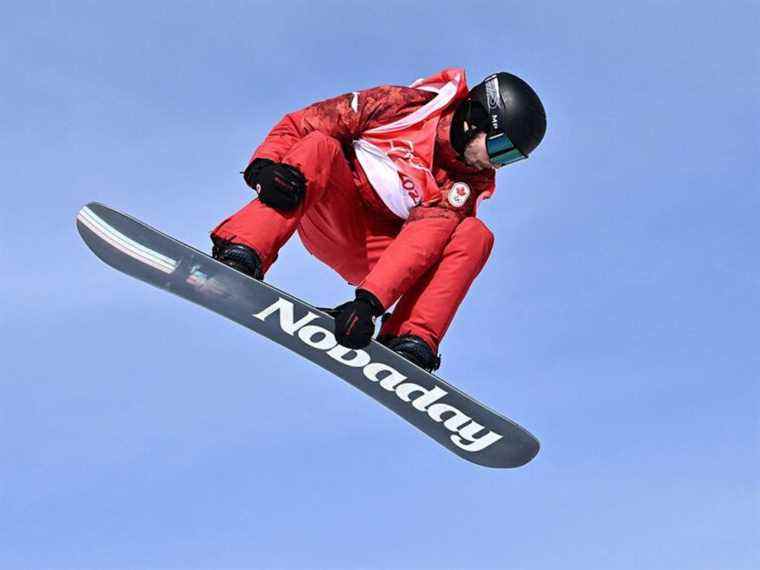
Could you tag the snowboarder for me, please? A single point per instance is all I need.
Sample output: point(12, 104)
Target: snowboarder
point(382, 186)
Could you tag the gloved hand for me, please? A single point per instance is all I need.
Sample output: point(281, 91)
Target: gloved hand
point(355, 320)
point(251, 173)
point(280, 186)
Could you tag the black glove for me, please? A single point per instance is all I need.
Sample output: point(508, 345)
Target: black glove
point(355, 320)
point(280, 186)
point(251, 173)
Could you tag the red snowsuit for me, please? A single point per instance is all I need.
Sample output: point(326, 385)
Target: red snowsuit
point(428, 261)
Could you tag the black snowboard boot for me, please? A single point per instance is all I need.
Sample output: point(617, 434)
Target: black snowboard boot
point(414, 349)
point(237, 256)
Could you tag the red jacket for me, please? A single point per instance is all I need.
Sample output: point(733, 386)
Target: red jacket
point(424, 234)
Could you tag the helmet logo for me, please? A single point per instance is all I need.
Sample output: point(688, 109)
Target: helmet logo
point(492, 97)
point(458, 194)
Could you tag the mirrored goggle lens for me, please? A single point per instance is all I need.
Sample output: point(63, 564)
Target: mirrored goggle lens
point(501, 150)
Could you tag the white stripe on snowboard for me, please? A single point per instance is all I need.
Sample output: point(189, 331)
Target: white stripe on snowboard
point(125, 244)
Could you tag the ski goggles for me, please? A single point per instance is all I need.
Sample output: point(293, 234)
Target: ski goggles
point(502, 151)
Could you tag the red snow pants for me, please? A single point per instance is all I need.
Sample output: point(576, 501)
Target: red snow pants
point(337, 227)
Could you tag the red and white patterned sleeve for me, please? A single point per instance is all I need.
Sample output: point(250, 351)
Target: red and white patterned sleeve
point(343, 117)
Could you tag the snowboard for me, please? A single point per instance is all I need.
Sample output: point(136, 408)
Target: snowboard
point(449, 416)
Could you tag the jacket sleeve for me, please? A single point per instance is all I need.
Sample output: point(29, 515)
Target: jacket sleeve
point(344, 118)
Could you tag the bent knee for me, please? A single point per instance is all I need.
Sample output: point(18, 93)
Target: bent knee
point(475, 236)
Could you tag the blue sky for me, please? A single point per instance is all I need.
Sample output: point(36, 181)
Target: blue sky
point(616, 319)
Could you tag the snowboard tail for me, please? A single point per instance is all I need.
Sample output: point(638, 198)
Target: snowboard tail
point(444, 413)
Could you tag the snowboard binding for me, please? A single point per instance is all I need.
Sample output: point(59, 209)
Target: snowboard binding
point(238, 256)
point(414, 349)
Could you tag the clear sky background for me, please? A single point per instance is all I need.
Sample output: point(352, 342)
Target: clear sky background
point(617, 318)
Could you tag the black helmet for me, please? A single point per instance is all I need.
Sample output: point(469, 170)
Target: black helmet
point(510, 113)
